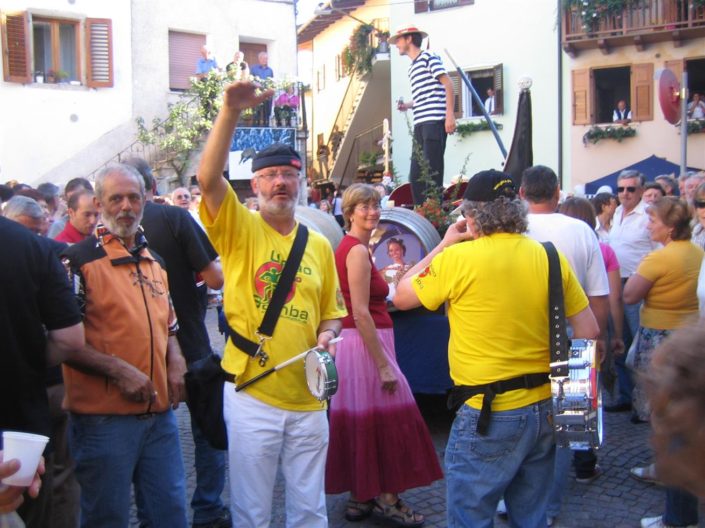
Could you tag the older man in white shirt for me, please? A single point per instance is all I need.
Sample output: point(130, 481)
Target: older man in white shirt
point(631, 242)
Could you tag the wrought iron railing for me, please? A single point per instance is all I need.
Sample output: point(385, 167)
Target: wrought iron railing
point(368, 142)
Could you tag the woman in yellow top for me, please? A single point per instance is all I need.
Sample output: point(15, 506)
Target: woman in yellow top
point(666, 280)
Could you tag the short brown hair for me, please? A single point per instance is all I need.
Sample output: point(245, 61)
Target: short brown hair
point(357, 193)
point(674, 213)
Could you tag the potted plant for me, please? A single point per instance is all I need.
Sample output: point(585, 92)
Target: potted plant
point(62, 76)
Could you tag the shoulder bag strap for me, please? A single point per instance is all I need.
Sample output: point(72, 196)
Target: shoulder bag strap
point(557, 335)
point(286, 279)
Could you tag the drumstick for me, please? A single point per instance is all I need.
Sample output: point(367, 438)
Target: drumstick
point(281, 365)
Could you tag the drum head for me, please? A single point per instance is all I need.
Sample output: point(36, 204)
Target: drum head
point(321, 374)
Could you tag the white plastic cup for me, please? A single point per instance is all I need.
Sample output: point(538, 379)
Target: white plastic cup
point(28, 449)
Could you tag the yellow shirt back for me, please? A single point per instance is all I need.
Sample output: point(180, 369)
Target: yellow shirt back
point(497, 289)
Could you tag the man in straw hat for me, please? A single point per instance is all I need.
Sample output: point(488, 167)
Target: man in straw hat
point(495, 280)
point(432, 103)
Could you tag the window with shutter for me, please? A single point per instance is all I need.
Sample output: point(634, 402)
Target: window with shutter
point(642, 92)
point(184, 52)
point(99, 43)
point(482, 80)
point(45, 49)
point(457, 93)
point(581, 97)
point(15, 47)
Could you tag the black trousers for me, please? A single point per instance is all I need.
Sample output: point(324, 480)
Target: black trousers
point(430, 139)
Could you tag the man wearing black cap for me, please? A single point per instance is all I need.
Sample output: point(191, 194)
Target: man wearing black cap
point(496, 285)
point(276, 417)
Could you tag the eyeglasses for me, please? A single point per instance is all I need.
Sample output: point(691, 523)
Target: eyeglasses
point(182, 197)
point(626, 189)
point(272, 175)
point(699, 204)
point(366, 208)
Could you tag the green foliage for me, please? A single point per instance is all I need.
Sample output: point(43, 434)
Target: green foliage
point(592, 10)
point(696, 126)
point(465, 129)
point(617, 133)
point(357, 56)
point(179, 134)
point(368, 158)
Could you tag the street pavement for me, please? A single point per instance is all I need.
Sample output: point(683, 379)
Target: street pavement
point(614, 500)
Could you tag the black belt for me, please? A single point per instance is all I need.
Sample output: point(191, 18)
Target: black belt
point(229, 377)
point(461, 393)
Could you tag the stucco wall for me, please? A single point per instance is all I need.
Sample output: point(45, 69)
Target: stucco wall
point(44, 124)
point(481, 35)
point(56, 132)
point(657, 136)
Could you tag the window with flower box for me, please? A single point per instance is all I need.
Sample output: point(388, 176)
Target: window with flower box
point(596, 92)
point(54, 49)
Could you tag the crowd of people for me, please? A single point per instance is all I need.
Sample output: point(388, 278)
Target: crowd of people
point(113, 287)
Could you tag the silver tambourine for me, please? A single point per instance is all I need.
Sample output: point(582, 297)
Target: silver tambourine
point(321, 374)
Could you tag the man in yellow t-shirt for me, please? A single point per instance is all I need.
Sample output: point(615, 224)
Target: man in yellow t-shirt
point(276, 417)
point(495, 281)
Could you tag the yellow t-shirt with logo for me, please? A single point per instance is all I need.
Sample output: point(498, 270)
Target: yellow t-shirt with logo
point(497, 291)
point(253, 255)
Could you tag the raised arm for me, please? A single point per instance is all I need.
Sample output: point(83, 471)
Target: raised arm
point(238, 97)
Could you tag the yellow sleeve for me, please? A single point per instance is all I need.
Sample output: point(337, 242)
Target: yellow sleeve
point(226, 229)
point(332, 302)
point(430, 285)
point(653, 266)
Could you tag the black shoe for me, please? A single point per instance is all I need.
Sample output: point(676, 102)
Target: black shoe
point(224, 521)
point(617, 407)
point(636, 420)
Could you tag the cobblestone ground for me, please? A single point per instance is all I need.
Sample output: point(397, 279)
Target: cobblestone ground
point(613, 500)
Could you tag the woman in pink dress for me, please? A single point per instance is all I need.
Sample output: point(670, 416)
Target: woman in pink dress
point(379, 443)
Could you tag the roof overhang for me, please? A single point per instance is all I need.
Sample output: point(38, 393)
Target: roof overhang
point(318, 23)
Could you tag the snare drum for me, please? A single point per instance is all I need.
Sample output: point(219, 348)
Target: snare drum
point(321, 374)
point(577, 402)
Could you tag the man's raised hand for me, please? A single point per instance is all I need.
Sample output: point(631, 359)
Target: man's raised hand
point(243, 94)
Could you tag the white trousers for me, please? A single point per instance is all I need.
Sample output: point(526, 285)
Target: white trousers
point(259, 435)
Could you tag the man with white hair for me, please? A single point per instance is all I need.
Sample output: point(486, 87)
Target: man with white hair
point(692, 182)
point(123, 429)
point(206, 63)
point(25, 211)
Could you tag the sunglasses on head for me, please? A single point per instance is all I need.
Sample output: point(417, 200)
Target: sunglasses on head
point(699, 204)
point(626, 189)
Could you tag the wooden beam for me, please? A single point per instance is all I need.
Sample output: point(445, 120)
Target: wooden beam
point(604, 46)
point(676, 36)
point(639, 43)
point(570, 50)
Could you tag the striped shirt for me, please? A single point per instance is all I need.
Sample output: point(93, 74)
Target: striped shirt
point(427, 91)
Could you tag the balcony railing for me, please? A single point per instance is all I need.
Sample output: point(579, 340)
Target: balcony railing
point(639, 21)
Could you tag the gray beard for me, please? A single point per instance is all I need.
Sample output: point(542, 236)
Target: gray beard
point(121, 231)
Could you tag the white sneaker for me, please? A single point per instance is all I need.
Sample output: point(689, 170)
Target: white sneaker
point(501, 507)
point(657, 522)
point(645, 474)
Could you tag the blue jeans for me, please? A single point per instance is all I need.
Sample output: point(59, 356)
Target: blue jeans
point(584, 463)
point(514, 458)
point(210, 479)
point(681, 508)
point(631, 330)
point(112, 452)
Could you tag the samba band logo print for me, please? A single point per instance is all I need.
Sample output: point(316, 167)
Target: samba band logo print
point(266, 280)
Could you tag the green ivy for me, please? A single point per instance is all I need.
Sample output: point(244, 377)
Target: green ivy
point(357, 57)
point(617, 133)
point(465, 129)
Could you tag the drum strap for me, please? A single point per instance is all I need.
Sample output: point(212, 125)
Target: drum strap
point(276, 303)
point(558, 345)
point(557, 334)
